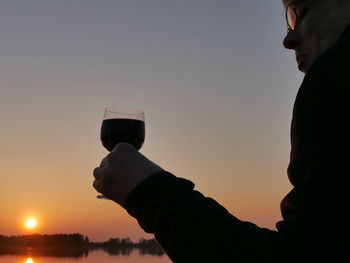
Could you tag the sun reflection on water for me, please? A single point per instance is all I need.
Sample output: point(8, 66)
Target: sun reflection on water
point(29, 260)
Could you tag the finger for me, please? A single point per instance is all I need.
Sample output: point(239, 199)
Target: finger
point(98, 172)
point(97, 185)
point(103, 162)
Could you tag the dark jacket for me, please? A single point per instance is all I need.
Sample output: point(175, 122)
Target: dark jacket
point(316, 223)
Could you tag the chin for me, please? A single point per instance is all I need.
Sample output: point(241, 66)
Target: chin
point(303, 70)
point(304, 66)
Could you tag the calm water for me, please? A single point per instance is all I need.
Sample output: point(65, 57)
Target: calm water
point(95, 256)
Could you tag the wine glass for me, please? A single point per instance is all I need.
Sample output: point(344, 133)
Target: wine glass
point(122, 124)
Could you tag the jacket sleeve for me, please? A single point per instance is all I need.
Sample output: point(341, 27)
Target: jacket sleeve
point(193, 228)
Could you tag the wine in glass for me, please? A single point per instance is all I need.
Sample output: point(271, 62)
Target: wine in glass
point(122, 124)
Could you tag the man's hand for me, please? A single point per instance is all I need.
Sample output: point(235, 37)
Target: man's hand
point(121, 171)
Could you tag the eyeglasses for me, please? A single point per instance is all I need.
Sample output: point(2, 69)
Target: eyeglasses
point(291, 14)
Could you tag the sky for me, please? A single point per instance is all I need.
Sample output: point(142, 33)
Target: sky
point(213, 78)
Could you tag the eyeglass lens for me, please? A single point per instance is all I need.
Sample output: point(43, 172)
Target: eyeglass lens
point(291, 17)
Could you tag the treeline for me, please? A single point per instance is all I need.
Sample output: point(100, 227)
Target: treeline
point(150, 247)
point(56, 240)
point(124, 246)
point(125, 242)
point(75, 245)
point(60, 252)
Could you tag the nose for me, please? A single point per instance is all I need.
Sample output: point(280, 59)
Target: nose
point(292, 40)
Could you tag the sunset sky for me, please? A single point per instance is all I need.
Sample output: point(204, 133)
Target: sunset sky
point(213, 78)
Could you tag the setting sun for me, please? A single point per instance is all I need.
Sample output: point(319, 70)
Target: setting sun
point(29, 260)
point(31, 223)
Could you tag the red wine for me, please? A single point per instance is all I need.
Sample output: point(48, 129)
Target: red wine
point(114, 131)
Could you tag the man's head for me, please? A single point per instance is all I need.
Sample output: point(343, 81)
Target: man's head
point(318, 26)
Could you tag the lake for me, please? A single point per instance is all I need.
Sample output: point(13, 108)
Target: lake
point(91, 256)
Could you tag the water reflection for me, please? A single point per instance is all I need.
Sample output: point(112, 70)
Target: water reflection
point(74, 252)
point(116, 251)
point(154, 251)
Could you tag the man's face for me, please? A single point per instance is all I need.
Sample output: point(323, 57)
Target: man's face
point(318, 27)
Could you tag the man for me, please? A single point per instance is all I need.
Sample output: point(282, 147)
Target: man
point(315, 226)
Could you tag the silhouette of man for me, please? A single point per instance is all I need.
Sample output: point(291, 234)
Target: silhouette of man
point(316, 224)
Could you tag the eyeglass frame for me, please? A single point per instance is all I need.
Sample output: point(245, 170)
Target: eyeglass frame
point(293, 2)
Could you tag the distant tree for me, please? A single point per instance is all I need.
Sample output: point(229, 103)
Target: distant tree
point(126, 241)
point(113, 242)
point(150, 247)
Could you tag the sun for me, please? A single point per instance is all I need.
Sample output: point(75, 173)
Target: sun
point(31, 223)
